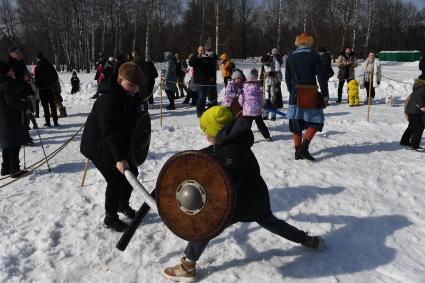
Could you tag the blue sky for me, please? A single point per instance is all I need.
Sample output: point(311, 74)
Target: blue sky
point(419, 3)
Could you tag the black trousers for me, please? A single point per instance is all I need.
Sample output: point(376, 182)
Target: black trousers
point(413, 134)
point(118, 189)
point(260, 124)
point(372, 90)
point(10, 159)
point(149, 92)
point(277, 226)
point(170, 96)
point(47, 101)
point(341, 86)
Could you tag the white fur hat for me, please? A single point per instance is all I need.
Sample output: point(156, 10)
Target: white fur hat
point(252, 75)
point(275, 51)
point(236, 75)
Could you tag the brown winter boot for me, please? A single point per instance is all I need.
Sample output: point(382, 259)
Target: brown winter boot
point(62, 112)
point(183, 272)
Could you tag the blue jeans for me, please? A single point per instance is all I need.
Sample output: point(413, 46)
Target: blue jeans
point(202, 99)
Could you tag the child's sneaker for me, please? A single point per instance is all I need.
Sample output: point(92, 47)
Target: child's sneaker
point(313, 242)
point(185, 271)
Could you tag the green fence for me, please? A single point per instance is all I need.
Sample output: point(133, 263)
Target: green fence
point(400, 56)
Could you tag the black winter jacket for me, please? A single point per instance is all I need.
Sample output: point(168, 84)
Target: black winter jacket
point(233, 152)
point(204, 69)
point(327, 65)
point(20, 69)
point(417, 98)
point(12, 133)
point(45, 75)
point(109, 126)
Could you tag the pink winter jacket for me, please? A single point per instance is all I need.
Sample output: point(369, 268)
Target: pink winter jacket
point(252, 99)
point(232, 90)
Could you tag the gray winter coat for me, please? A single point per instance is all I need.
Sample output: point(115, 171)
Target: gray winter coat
point(12, 133)
point(169, 72)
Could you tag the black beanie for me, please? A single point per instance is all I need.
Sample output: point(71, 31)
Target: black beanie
point(4, 68)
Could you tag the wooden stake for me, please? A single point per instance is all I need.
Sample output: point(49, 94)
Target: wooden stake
point(83, 178)
point(369, 100)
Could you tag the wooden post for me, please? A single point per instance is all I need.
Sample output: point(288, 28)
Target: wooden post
point(160, 100)
point(369, 100)
point(83, 178)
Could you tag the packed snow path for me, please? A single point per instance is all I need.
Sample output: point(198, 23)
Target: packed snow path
point(364, 195)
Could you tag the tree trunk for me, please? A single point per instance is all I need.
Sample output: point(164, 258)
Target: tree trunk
point(217, 25)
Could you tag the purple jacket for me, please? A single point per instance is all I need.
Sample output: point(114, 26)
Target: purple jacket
point(252, 99)
point(232, 90)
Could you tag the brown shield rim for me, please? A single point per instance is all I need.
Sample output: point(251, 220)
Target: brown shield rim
point(230, 196)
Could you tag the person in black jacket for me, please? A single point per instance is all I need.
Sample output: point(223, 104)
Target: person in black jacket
point(108, 128)
point(45, 79)
point(75, 82)
point(23, 85)
point(204, 72)
point(12, 131)
point(181, 70)
point(415, 113)
point(149, 71)
point(326, 61)
point(231, 143)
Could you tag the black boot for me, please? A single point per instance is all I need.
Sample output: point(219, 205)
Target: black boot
point(303, 151)
point(113, 222)
point(297, 153)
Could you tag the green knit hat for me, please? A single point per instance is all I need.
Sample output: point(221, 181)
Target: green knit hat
point(214, 119)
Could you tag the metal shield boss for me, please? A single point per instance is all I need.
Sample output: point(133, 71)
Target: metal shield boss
point(140, 140)
point(195, 196)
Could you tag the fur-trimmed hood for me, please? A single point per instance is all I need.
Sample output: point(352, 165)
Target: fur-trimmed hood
point(418, 83)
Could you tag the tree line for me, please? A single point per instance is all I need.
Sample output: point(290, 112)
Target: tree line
point(76, 33)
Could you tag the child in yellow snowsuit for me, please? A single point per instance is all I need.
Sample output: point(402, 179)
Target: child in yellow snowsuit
point(353, 93)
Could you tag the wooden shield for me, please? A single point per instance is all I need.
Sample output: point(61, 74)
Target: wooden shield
point(198, 172)
point(140, 140)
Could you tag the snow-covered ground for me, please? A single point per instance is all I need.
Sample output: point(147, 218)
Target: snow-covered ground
point(365, 195)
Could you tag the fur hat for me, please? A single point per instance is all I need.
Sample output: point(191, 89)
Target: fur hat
point(275, 51)
point(252, 75)
point(214, 119)
point(4, 68)
point(236, 75)
point(304, 39)
point(132, 73)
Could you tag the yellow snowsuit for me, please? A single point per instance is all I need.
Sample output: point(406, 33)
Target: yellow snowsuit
point(353, 93)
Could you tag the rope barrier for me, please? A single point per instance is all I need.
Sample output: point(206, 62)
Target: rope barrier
point(397, 81)
point(38, 164)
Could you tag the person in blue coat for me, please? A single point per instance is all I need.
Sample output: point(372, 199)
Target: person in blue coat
point(302, 67)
